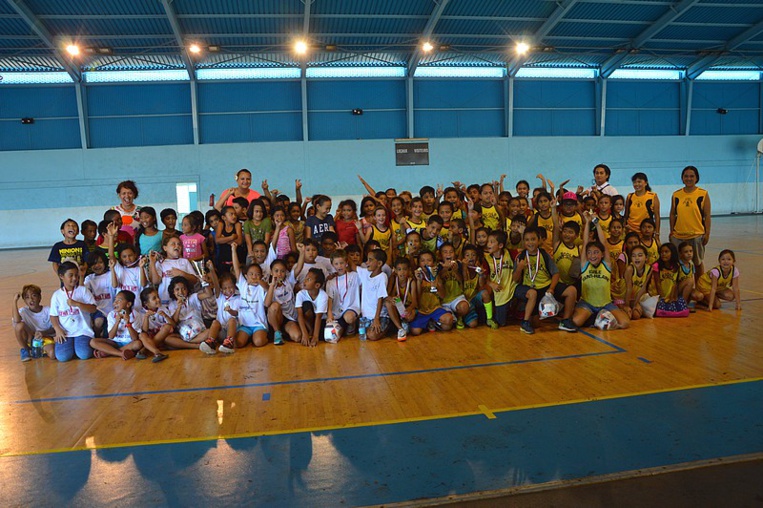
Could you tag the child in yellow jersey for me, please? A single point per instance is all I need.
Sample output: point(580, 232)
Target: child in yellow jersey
point(380, 232)
point(403, 295)
point(416, 222)
point(453, 196)
point(452, 279)
point(604, 213)
point(544, 219)
point(537, 274)
point(665, 273)
point(641, 204)
point(445, 211)
point(476, 291)
point(430, 311)
point(430, 236)
point(413, 247)
point(456, 235)
point(491, 216)
point(649, 241)
point(566, 253)
point(721, 283)
point(514, 242)
point(569, 212)
point(638, 275)
point(427, 194)
point(614, 244)
point(397, 207)
point(595, 281)
point(501, 280)
point(686, 282)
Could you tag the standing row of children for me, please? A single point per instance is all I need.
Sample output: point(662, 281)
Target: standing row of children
point(272, 268)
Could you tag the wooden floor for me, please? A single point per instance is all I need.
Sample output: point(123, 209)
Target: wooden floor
point(50, 406)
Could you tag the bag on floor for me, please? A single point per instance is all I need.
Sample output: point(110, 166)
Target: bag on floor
point(548, 306)
point(648, 305)
point(672, 309)
point(605, 320)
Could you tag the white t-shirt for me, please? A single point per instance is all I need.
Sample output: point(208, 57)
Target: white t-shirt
point(604, 188)
point(284, 294)
point(233, 303)
point(320, 262)
point(156, 321)
point(320, 303)
point(165, 268)
point(73, 320)
point(191, 309)
point(128, 279)
point(251, 310)
point(123, 334)
point(371, 289)
point(37, 321)
point(100, 286)
point(265, 265)
point(344, 291)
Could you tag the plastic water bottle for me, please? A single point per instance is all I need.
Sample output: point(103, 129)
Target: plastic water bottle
point(362, 329)
point(37, 347)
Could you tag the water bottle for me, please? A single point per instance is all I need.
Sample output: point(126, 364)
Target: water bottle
point(37, 347)
point(362, 329)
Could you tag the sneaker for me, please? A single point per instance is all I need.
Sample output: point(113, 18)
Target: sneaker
point(460, 324)
point(402, 335)
point(406, 327)
point(526, 327)
point(492, 324)
point(25, 356)
point(228, 346)
point(141, 355)
point(278, 338)
point(209, 346)
point(568, 326)
point(159, 358)
point(430, 326)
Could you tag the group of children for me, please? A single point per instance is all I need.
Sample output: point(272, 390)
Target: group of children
point(273, 269)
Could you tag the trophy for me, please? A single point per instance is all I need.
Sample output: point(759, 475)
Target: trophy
point(201, 272)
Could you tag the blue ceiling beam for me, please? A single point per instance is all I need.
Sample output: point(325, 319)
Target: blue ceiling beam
point(673, 12)
point(23, 10)
point(439, 8)
point(562, 8)
point(178, 34)
point(703, 63)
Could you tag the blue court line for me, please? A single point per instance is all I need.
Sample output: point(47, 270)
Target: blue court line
point(265, 396)
point(615, 350)
point(644, 359)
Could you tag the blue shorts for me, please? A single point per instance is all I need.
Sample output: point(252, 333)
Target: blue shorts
point(582, 304)
point(422, 320)
point(250, 329)
point(474, 304)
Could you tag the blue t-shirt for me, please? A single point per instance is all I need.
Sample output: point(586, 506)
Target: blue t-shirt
point(76, 252)
point(318, 226)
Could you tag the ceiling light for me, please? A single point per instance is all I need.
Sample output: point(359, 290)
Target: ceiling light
point(72, 49)
point(194, 48)
point(427, 47)
point(522, 48)
point(300, 47)
point(213, 49)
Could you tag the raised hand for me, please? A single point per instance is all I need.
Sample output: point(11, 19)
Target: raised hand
point(265, 185)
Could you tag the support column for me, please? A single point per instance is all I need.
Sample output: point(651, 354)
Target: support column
point(409, 106)
point(84, 128)
point(510, 110)
point(305, 133)
point(194, 112)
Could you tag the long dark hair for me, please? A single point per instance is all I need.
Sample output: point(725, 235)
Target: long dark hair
point(642, 176)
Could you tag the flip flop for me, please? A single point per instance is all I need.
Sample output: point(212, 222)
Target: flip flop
point(159, 358)
point(128, 354)
point(99, 354)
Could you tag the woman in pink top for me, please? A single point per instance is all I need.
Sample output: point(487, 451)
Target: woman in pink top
point(244, 181)
point(194, 243)
point(283, 237)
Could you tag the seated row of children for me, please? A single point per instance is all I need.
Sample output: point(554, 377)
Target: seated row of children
point(402, 275)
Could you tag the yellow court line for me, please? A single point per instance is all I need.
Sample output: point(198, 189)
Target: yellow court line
point(484, 412)
point(751, 291)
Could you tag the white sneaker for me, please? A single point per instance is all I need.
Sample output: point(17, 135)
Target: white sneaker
point(402, 336)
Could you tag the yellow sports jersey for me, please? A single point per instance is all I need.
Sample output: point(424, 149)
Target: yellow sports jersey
point(640, 281)
point(458, 214)
point(668, 282)
point(425, 216)
point(452, 286)
point(430, 245)
point(705, 283)
point(445, 231)
point(604, 223)
point(398, 233)
point(428, 301)
point(404, 291)
point(689, 210)
point(459, 248)
point(685, 272)
point(501, 269)
point(417, 226)
point(536, 273)
point(472, 285)
point(595, 284)
point(519, 245)
point(508, 225)
point(563, 219)
point(548, 225)
point(563, 257)
point(383, 237)
point(617, 280)
point(490, 217)
point(639, 208)
point(652, 251)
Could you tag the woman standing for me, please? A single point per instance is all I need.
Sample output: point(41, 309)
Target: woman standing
point(601, 174)
point(642, 204)
point(128, 192)
point(690, 216)
point(244, 181)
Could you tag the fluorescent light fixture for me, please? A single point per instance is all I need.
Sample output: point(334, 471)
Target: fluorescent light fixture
point(135, 76)
point(460, 72)
point(522, 48)
point(356, 72)
point(34, 78)
point(646, 74)
point(300, 47)
point(194, 48)
point(427, 47)
point(72, 49)
point(730, 76)
point(555, 72)
point(268, 73)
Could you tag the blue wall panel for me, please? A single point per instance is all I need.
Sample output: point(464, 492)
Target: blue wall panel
point(554, 108)
point(140, 131)
point(636, 108)
point(154, 99)
point(330, 104)
point(458, 108)
point(741, 100)
point(245, 112)
point(54, 109)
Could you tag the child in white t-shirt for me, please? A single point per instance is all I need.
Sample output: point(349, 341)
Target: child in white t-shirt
point(99, 284)
point(32, 321)
point(309, 258)
point(186, 312)
point(343, 290)
point(228, 302)
point(157, 324)
point(70, 310)
point(174, 265)
point(312, 304)
point(373, 291)
point(282, 314)
point(124, 328)
point(127, 269)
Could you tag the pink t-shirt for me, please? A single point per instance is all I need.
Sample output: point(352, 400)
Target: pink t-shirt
point(192, 245)
point(253, 194)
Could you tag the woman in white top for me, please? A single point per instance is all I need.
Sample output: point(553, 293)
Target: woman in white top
point(128, 193)
point(601, 174)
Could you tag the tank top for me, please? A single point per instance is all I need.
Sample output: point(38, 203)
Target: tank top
point(383, 237)
point(224, 255)
point(640, 281)
point(452, 286)
point(604, 223)
point(399, 235)
point(689, 213)
point(563, 257)
point(500, 272)
point(595, 284)
point(652, 252)
point(536, 274)
point(490, 217)
point(283, 245)
point(548, 225)
point(685, 272)
point(639, 208)
point(576, 219)
point(471, 285)
point(416, 226)
point(705, 283)
point(668, 280)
